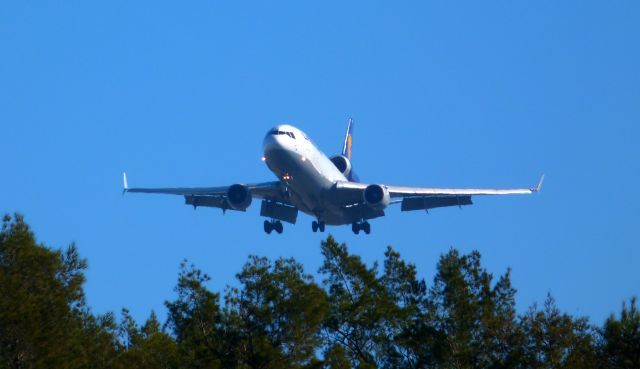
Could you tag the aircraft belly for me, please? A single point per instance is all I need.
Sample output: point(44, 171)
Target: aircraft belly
point(304, 181)
point(311, 192)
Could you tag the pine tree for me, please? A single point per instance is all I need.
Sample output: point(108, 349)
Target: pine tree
point(620, 347)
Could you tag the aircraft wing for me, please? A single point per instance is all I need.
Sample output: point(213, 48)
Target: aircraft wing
point(424, 198)
point(214, 196)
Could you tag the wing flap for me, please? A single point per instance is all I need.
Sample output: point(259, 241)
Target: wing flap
point(430, 202)
point(207, 201)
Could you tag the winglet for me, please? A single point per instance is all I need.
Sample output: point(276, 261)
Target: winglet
point(539, 186)
point(125, 185)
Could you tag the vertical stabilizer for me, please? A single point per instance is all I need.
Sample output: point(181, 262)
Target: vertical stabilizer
point(347, 149)
point(348, 140)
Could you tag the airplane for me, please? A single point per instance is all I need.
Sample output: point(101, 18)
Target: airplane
point(326, 188)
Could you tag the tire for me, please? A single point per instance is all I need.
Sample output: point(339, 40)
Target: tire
point(278, 226)
point(321, 226)
point(314, 226)
point(366, 227)
point(355, 227)
point(267, 227)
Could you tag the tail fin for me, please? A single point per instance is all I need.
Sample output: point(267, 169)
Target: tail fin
point(348, 140)
point(346, 150)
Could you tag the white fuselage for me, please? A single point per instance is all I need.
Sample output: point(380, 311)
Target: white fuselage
point(308, 174)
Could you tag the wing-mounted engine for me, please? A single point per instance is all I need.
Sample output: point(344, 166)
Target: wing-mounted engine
point(376, 196)
point(343, 164)
point(239, 197)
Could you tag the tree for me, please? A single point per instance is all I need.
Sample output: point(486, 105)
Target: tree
point(277, 313)
point(556, 340)
point(620, 347)
point(196, 320)
point(279, 317)
point(375, 319)
point(474, 321)
point(407, 337)
point(44, 320)
point(147, 346)
point(358, 304)
point(39, 288)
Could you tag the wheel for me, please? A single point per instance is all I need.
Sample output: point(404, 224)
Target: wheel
point(267, 227)
point(366, 227)
point(355, 227)
point(321, 226)
point(278, 227)
point(314, 226)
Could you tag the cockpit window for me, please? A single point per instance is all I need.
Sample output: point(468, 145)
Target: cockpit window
point(276, 132)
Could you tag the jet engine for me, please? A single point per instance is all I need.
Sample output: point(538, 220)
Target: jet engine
point(376, 196)
point(342, 163)
point(239, 197)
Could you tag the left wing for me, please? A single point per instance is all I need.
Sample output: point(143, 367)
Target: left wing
point(424, 198)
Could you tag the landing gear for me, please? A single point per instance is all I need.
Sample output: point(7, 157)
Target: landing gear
point(361, 226)
point(317, 226)
point(273, 225)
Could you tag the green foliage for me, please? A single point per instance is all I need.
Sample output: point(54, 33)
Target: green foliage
point(475, 321)
point(374, 317)
point(557, 340)
point(41, 301)
point(147, 346)
point(196, 320)
point(358, 304)
point(621, 338)
point(276, 314)
point(278, 317)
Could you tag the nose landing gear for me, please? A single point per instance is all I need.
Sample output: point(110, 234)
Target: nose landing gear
point(273, 225)
point(317, 226)
point(361, 226)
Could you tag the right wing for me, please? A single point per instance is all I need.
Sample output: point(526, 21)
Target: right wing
point(216, 196)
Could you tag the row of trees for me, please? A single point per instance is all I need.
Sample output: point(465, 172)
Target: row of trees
point(280, 317)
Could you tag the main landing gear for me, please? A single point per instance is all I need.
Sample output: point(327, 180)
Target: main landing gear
point(273, 225)
point(361, 226)
point(317, 226)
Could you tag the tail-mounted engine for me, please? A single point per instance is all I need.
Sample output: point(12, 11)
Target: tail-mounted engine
point(342, 163)
point(376, 196)
point(239, 197)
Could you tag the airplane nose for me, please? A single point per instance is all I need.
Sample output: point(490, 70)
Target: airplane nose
point(271, 142)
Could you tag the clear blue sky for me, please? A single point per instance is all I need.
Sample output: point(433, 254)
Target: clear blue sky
point(463, 93)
